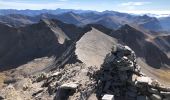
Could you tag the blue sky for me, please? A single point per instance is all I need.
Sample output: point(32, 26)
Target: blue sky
point(130, 6)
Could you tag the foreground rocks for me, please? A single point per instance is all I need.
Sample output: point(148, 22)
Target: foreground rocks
point(122, 78)
point(119, 78)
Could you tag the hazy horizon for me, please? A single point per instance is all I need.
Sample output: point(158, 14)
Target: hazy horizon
point(127, 6)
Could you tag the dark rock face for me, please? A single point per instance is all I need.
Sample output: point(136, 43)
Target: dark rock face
point(37, 40)
point(165, 23)
point(163, 42)
point(70, 17)
point(102, 28)
point(150, 23)
point(137, 40)
point(17, 20)
point(154, 56)
point(109, 22)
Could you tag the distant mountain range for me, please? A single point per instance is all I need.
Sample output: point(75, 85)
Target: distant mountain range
point(109, 19)
point(38, 12)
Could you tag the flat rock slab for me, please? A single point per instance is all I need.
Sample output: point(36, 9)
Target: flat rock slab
point(93, 47)
point(143, 79)
point(69, 86)
point(108, 97)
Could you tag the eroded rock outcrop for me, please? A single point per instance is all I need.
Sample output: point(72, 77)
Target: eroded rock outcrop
point(123, 78)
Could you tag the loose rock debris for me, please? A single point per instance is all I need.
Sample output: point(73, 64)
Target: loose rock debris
point(119, 78)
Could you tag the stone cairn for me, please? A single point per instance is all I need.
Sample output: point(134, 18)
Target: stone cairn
point(121, 77)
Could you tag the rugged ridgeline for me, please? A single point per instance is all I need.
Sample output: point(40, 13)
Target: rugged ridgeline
point(46, 38)
point(104, 70)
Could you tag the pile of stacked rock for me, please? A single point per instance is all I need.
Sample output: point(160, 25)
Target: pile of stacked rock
point(121, 77)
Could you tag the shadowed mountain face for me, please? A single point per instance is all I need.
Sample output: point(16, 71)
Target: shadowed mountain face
point(150, 23)
point(47, 38)
point(101, 28)
point(165, 22)
point(164, 43)
point(70, 17)
point(17, 20)
point(142, 45)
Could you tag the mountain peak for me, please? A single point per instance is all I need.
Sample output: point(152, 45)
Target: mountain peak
point(145, 16)
point(71, 13)
point(127, 34)
point(127, 27)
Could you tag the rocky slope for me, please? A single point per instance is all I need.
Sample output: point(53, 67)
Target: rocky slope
point(143, 46)
point(17, 20)
point(46, 38)
point(100, 73)
point(150, 23)
point(163, 42)
point(92, 49)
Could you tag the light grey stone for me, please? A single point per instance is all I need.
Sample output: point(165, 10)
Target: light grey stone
point(55, 74)
point(144, 79)
point(166, 95)
point(152, 90)
point(69, 86)
point(155, 97)
point(41, 77)
point(108, 97)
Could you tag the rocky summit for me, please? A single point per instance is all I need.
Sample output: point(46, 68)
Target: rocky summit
point(67, 54)
point(93, 67)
